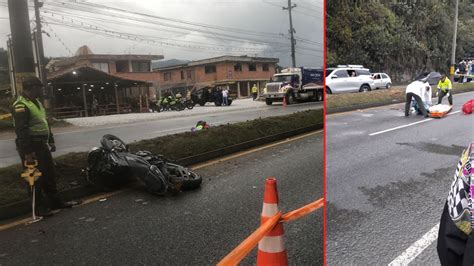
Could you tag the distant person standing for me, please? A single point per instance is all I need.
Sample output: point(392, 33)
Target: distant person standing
point(444, 89)
point(254, 91)
point(95, 105)
point(225, 97)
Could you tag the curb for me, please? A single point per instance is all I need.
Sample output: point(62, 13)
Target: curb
point(24, 207)
point(378, 104)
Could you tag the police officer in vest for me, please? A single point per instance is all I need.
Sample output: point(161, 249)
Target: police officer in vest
point(35, 142)
point(444, 89)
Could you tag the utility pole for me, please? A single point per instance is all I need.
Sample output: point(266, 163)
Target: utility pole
point(40, 58)
point(292, 31)
point(453, 51)
point(39, 39)
point(23, 61)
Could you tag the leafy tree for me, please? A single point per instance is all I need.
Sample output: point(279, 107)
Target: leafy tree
point(402, 38)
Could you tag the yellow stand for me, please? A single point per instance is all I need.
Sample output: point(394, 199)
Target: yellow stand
point(31, 174)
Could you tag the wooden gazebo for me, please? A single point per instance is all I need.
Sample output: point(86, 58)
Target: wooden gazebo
point(85, 91)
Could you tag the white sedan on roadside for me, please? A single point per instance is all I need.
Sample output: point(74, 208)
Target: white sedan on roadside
point(382, 80)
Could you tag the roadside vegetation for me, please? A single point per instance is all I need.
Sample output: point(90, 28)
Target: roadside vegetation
point(69, 167)
point(353, 101)
point(401, 38)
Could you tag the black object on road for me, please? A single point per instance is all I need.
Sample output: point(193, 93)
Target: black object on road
point(207, 94)
point(113, 165)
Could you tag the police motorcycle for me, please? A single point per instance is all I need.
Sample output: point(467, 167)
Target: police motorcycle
point(113, 164)
point(169, 102)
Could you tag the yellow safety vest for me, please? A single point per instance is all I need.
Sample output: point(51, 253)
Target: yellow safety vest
point(446, 85)
point(254, 89)
point(37, 123)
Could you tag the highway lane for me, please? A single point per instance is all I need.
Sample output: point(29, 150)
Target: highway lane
point(84, 138)
point(386, 190)
point(194, 228)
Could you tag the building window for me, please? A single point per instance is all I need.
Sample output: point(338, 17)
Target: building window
point(189, 74)
point(167, 76)
point(101, 66)
point(252, 67)
point(182, 74)
point(210, 69)
point(140, 66)
point(122, 66)
point(265, 67)
point(238, 67)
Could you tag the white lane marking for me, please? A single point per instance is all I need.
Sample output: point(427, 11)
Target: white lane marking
point(452, 113)
point(399, 127)
point(416, 248)
point(407, 125)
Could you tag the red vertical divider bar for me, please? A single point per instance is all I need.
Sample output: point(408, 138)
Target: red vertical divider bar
point(324, 139)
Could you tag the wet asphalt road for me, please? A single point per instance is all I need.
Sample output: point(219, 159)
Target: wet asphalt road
point(83, 139)
point(194, 228)
point(386, 191)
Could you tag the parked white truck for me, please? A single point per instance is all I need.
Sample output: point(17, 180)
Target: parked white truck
point(294, 85)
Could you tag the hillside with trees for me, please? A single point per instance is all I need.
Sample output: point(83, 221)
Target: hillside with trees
point(401, 38)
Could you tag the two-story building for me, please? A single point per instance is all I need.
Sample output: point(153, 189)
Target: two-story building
point(238, 73)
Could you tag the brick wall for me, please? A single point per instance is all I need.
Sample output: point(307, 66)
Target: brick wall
point(224, 71)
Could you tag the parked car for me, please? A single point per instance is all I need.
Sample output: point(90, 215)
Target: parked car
point(209, 94)
point(382, 81)
point(348, 78)
point(432, 77)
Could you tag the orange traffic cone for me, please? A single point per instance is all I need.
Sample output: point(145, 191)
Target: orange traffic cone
point(284, 101)
point(271, 249)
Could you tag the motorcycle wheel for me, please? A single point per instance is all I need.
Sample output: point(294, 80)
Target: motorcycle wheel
point(179, 107)
point(192, 182)
point(176, 173)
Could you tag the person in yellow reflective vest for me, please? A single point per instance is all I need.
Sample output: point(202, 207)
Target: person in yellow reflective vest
point(444, 89)
point(254, 91)
point(35, 142)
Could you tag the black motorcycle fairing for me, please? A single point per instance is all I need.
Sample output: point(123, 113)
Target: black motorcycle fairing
point(150, 175)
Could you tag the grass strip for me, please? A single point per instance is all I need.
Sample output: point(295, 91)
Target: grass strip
point(69, 166)
point(353, 101)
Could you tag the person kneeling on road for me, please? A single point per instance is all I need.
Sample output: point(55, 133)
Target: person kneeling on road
point(419, 90)
point(35, 142)
point(444, 88)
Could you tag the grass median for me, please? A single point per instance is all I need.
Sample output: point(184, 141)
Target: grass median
point(69, 167)
point(353, 101)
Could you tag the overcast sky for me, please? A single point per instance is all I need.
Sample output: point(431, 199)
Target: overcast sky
point(248, 25)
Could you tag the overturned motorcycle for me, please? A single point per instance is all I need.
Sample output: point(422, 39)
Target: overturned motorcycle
point(112, 164)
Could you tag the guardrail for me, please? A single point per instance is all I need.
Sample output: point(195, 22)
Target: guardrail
point(269, 228)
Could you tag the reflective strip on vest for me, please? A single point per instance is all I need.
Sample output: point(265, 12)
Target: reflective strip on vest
point(37, 124)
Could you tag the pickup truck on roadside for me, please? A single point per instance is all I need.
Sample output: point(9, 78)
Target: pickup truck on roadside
point(295, 85)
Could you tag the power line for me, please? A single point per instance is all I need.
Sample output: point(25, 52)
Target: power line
point(87, 6)
point(154, 27)
point(61, 15)
point(57, 37)
point(95, 27)
point(107, 8)
point(150, 39)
